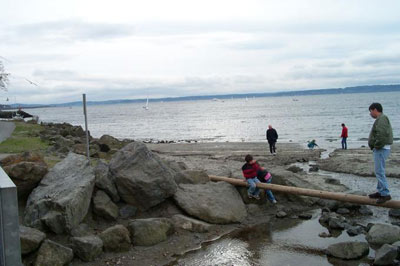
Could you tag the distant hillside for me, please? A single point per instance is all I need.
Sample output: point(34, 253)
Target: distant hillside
point(357, 89)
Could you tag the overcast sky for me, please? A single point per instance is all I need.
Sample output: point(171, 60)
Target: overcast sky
point(130, 49)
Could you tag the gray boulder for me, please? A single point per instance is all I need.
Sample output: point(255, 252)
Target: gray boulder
point(82, 230)
point(116, 238)
point(31, 239)
point(190, 224)
point(142, 179)
point(213, 202)
point(87, 248)
point(385, 255)
point(348, 250)
point(127, 211)
point(104, 207)
point(105, 182)
point(62, 199)
point(380, 234)
point(53, 254)
point(394, 213)
point(148, 232)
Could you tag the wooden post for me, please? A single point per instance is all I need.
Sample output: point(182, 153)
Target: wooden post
point(364, 200)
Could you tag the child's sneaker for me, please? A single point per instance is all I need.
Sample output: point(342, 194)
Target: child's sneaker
point(274, 202)
point(257, 197)
point(250, 196)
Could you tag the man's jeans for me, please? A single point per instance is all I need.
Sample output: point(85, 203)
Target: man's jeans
point(344, 143)
point(253, 189)
point(380, 157)
point(270, 196)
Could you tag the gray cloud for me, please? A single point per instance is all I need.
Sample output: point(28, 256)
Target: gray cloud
point(377, 60)
point(72, 30)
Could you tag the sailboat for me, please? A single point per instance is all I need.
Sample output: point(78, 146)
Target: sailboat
point(146, 107)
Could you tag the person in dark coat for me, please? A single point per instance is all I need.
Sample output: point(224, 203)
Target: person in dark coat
point(272, 137)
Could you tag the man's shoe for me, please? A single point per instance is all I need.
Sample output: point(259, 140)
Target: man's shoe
point(375, 195)
point(383, 199)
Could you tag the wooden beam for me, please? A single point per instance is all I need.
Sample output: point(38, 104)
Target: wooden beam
point(364, 200)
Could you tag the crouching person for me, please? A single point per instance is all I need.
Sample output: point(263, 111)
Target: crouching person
point(265, 177)
point(250, 169)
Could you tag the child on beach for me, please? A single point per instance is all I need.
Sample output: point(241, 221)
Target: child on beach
point(253, 172)
point(265, 177)
point(312, 144)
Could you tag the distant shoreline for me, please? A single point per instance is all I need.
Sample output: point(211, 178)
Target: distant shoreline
point(346, 90)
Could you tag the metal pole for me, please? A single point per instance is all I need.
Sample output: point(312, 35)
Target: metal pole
point(395, 204)
point(86, 127)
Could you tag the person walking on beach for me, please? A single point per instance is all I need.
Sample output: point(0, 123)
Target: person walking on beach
point(250, 169)
point(272, 137)
point(379, 140)
point(344, 137)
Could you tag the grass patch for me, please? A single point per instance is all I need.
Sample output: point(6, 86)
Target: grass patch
point(24, 138)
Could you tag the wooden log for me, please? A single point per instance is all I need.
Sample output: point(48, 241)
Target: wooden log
point(364, 200)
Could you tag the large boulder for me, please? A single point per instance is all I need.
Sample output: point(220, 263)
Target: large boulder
point(148, 232)
point(104, 207)
point(62, 199)
point(87, 248)
point(142, 179)
point(104, 181)
point(386, 255)
point(348, 250)
point(380, 234)
point(53, 254)
point(25, 170)
point(213, 202)
point(31, 239)
point(116, 238)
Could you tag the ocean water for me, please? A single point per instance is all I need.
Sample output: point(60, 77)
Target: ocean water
point(297, 119)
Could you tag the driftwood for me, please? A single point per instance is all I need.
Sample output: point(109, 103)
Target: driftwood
point(364, 200)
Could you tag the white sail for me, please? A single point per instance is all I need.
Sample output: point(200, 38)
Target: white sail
point(146, 107)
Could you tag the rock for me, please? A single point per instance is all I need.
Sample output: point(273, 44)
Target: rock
point(364, 210)
point(62, 144)
point(281, 214)
point(87, 248)
point(105, 182)
point(394, 213)
point(253, 209)
point(313, 168)
point(343, 211)
point(110, 142)
point(25, 170)
point(348, 250)
point(190, 224)
point(397, 245)
point(81, 149)
point(305, 216)
point(148, 232)
point(355, 230)
point(294, 169)
point(142, 179)
point(337, 223)
point(385, 255)
point(62, 199)
point(195, 177)
point(82, 230)
point(332, 181)
point(30, 239)
point(324, 235)
point(53, 254)
point(205, 202)
point(127, 211)
point(380, 234)
point(104, 207)
point(116, 238)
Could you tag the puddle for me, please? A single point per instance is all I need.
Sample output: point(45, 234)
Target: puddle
point(287, 242)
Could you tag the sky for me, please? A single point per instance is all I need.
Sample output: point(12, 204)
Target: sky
point(57, 50)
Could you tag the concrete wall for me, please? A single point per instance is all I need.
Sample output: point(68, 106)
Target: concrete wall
point(10, 249)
